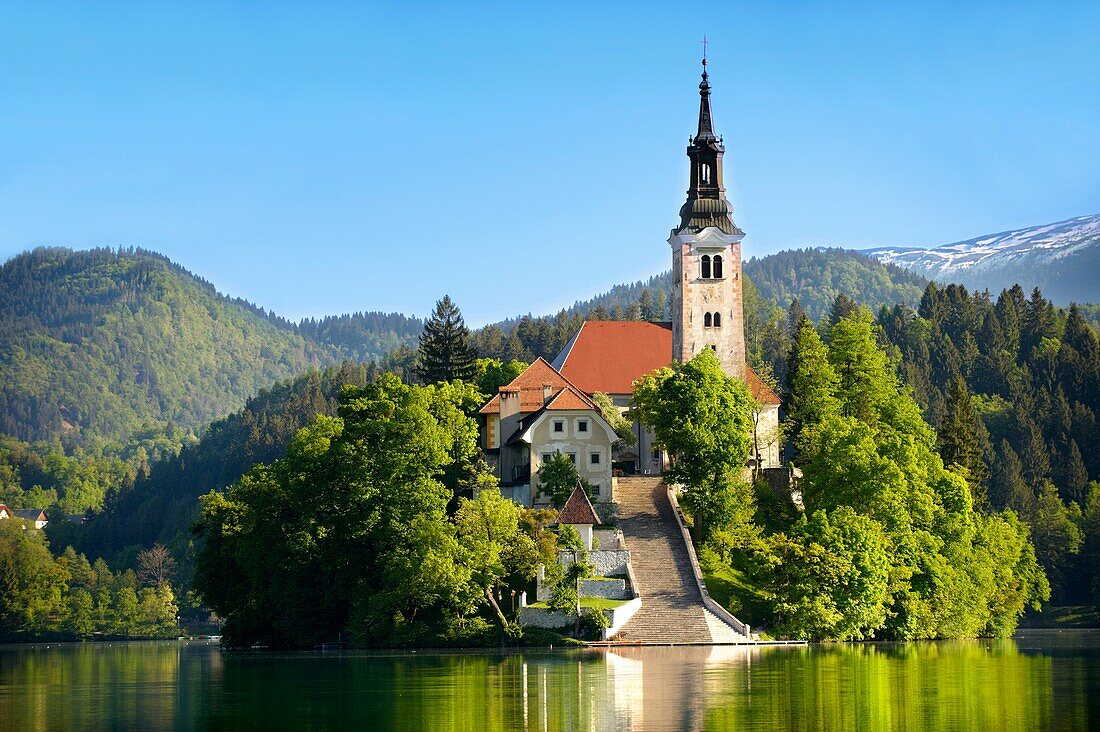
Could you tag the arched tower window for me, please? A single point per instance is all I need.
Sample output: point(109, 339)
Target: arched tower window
point(706, 173)
point(706, 320)
point(717, 270)
point(718, 320)
point(705, 261)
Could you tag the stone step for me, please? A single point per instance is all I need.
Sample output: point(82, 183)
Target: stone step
point(672, 608)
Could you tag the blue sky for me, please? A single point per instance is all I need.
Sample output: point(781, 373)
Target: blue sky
point(318, 158)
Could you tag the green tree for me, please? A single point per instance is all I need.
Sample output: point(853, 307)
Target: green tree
point(493, 374)
point(127, 613)
point(704, 419)
point(873, 452)
point(1057, 536)
point(379, 558)
point(445, 353)
point(623, 427)
point(831, 577)
point(80, 616)
point(558, 477)
point(494, 545)
point(31, 582)
point(960, 439)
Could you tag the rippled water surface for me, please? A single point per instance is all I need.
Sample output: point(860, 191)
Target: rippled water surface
point(1038, 681)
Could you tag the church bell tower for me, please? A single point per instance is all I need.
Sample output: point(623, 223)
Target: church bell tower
point(706, 257)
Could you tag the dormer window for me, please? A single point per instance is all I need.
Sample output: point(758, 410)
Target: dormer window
point(705, 264)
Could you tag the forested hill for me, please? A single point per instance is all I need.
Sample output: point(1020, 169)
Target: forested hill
point(814, 276)
point(95, 345)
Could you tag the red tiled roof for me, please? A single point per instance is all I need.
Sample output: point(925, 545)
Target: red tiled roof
point(608, 355)
point(532, 384)
point(761, 392)
point(571, 398)
point(578, 509)
point(492, 406)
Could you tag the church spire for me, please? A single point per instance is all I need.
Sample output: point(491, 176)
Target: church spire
point(706, 120)
point(706, 202)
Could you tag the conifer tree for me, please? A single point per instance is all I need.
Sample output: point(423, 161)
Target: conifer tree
point(660, 305)
point(445, 353)
point(1076, 476)
point(960, 439)
point(646, 306)
point(1007, 486)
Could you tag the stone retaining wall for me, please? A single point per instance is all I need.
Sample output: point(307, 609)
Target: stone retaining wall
point(612, 589)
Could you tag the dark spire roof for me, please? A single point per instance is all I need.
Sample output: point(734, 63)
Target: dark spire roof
point(706, 119)
point(706, 202)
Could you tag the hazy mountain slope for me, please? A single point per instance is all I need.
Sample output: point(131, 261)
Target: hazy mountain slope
point(94, 344)
point(1062, 259)
point(814, 276)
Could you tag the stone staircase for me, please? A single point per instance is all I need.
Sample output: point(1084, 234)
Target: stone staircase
point(672, 607)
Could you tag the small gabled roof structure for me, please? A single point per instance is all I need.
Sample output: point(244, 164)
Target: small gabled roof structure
point(578, 510)
point(30, 514)
point(761, 392)
point(5, 512)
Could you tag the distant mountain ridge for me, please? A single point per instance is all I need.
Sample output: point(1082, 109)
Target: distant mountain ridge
point(1062, 259)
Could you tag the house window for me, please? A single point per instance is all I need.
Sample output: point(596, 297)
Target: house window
point(718, 320)
point(572, 457)
point(655, 454)
point(559, 425)
point(546, 457)
point(582, 425)
point(594, 458)
point(707, 320)
point(705, 262)
point(717, 269)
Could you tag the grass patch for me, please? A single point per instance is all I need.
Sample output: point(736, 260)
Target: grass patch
point(587, 603)
point(732, 588)
point(1062, 616)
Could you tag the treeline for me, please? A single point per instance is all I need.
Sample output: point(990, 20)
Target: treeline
point(1014, 386)
point(815, 277)
point(69, 597)
point(363, 336)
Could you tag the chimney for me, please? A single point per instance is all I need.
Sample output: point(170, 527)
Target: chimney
point(547, 392)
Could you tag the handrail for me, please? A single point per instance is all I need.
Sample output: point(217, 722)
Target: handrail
point(708, 601)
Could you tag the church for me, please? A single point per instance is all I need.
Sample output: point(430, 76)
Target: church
point(548, 408)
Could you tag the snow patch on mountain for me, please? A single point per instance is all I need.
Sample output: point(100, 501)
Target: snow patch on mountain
point(1035, 246)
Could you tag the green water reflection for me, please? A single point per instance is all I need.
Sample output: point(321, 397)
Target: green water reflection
point(1038, 681)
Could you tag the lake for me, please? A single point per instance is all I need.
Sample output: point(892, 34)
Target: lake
point(1040, 680)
